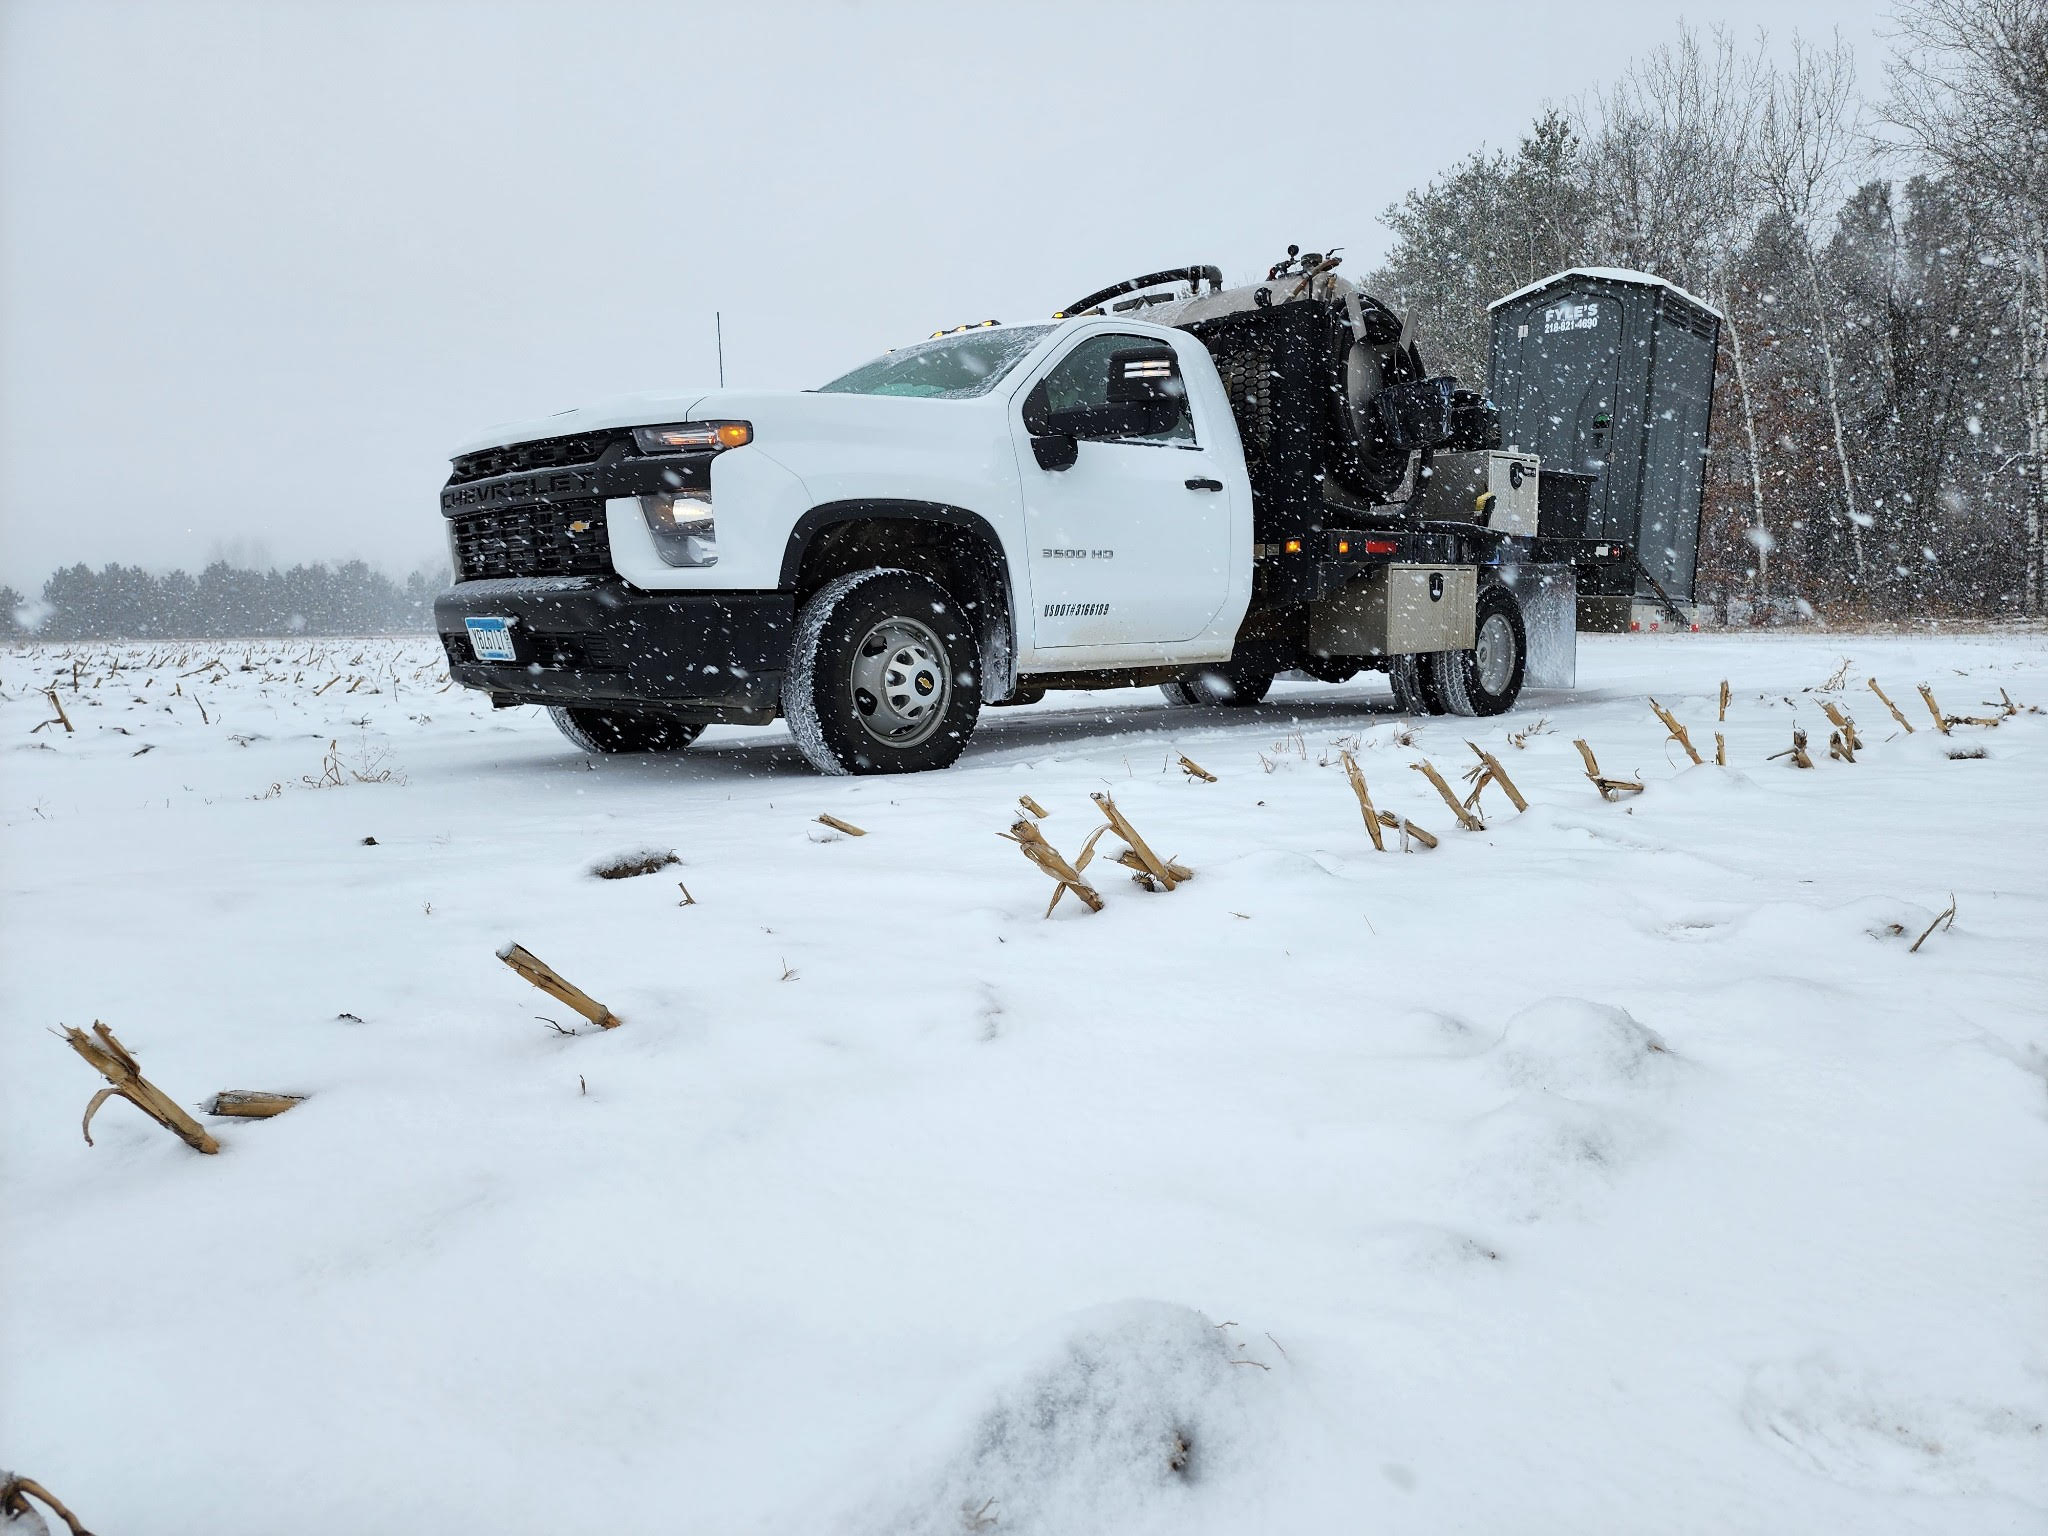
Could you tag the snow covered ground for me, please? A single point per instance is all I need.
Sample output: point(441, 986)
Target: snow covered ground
point(1613, 1169)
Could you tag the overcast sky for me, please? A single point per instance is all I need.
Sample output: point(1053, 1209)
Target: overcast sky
point(261, 265)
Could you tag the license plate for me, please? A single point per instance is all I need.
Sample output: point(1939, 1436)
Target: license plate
point(491, 639)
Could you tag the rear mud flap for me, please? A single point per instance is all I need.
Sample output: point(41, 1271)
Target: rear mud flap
point(1549, 598)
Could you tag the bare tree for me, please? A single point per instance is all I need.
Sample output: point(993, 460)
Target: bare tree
point(1807, 137)
point(1970, 92)
point(1676, 137)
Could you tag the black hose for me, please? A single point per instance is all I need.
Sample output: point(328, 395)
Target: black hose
point(1190, 275)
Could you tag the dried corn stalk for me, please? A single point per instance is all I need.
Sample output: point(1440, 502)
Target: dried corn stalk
point(1888, 704)
point(1372, 817)
point(111, 1060)
point(1720, 750)
point(544, 976)
point(1843, 723)
point(58, 705)
point(1033, 807)
point(1724, 700)
point(15, 1492)
point(242, 1104)
point(1608, 788)
point(1948, 917)
point(1934, 709)
point(1407, 829)
point(1048, 858)
point(842, 826)
point(1160, 870)
point(1797, 751)
point(1467, 817)
point(1179, 872)
point(1678, 733)
point(1195, 770)
point(1495, 774)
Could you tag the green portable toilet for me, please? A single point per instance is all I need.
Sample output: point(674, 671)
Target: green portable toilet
point(1608, 376)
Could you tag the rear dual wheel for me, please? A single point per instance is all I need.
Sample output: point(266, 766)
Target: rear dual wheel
point(1485, 680)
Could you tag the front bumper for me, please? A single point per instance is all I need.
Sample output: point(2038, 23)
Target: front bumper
point(700, 656)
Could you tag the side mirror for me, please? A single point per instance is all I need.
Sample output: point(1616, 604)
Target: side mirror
point(1055, 451)
point(1144, 395)
point(1053, 448)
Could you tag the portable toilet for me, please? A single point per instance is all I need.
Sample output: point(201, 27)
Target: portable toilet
point(1608, 376)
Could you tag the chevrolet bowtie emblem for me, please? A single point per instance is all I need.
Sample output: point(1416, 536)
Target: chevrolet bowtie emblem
point(579, 527)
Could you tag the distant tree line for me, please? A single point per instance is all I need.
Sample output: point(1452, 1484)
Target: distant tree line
point(1880, 433)
point(126, 602)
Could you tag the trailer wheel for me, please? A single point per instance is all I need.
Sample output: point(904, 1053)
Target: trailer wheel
point(606, 731)
point(1487, 679)
point(1414, 682)
point(884, 675)
point(1220, 688)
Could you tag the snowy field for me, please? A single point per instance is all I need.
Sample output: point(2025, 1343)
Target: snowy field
point(1616, 1168)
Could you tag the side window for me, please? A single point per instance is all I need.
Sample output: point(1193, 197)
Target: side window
point(1080, 380)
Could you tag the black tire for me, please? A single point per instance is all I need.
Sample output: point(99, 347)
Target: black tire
point(1415, 685)
point(1224, 687)
point(884, 675)
point(1487, 679)
point(608, 731)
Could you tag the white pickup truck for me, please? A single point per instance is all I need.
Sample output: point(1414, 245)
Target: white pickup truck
point(1200, 490)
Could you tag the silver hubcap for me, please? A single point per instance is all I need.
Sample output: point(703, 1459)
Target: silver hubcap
point(900, 682)
point(1496, 653)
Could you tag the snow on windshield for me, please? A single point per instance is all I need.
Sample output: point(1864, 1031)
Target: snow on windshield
point(945, 368)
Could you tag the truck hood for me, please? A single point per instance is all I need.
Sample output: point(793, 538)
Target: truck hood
point(775, 412)
point(799, 412)
point(648, 409)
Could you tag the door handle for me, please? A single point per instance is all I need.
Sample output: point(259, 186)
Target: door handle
point(1205, 485)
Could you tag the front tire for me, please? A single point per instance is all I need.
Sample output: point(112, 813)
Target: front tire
point(1487, 679)
point(884, 676)
point(607, 731)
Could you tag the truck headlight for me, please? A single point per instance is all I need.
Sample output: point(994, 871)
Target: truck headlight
point(694, 437)
point(682, 525)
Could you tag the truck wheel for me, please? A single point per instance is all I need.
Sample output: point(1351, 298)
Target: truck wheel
point(1487, 679)
point(1414, 682)
point(605, 730)
point(1220, 688)
point(884, 676)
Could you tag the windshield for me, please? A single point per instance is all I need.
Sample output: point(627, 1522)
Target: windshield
point(945, 368)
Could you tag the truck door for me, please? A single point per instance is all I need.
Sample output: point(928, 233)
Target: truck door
point(1130, 544)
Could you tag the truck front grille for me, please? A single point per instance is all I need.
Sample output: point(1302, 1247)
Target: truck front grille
point(562, 538)
point(544, 453)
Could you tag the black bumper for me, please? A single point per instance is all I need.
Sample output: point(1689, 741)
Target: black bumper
point(705, 656)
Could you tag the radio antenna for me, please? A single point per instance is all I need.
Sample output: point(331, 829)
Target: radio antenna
point(718, 319)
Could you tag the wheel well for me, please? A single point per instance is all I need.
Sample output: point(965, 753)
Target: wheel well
point(956, 548)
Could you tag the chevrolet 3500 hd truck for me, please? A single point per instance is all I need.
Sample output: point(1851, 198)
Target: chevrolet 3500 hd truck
point(1169, 483)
